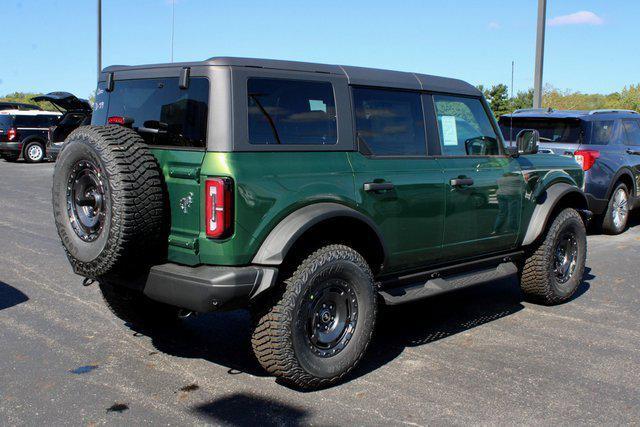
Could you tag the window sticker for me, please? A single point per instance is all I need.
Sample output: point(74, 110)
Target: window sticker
point(449, 130)
point(317, 105)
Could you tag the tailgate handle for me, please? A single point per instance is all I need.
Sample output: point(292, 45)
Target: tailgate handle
point(459, 182)
point(378, 186)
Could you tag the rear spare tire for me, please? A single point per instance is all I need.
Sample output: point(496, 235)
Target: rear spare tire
point(108, 203)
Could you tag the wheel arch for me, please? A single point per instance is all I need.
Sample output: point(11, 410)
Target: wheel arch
point(323, 222)
point(33, 138)
point(553, 199)
point(625, 176)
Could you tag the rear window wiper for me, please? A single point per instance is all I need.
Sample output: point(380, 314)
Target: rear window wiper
point(254, 97)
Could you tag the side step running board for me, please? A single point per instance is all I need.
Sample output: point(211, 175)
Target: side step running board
point(416, 291)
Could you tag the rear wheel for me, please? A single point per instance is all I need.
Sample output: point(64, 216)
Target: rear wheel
point(553, 270)
point(617, 214)
point(320, 324)
point(34, 152)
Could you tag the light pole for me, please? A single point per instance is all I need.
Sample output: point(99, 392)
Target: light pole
point(99, 37)
point(537, 77)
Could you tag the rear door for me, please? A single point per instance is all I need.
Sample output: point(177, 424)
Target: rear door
point(173, 121)
point(398, 186)
point(484, 187)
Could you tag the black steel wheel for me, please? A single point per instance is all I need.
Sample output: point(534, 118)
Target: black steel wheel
point(87, 200)
point(566, 257)
point(319, 324)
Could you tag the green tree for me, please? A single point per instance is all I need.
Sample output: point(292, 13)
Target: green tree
point(498, 98)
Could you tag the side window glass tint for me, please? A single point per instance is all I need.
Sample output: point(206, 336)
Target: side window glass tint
point(162, 113)
point(291, 112)
point(632, 131)
point(464, 127)
point(390, 123)
point(602, 132)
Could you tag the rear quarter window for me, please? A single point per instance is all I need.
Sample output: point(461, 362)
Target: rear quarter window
point(601, 132)
point(6, 120)
point(294, 112)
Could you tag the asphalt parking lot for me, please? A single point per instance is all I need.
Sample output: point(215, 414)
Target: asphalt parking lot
point(480, 356)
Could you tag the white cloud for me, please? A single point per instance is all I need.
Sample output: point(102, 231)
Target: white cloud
point(583, 17)
point(493, 25)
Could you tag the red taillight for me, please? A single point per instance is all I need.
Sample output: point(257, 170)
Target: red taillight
point(218, 207)
point(11, 134)
point(120, 120)
point(586, 158)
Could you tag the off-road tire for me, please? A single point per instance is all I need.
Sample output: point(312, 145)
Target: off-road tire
point(608, 224)
point(537, 276)
point(28, 146)
point(134, 232)
point(278, 338)
point(135, 308)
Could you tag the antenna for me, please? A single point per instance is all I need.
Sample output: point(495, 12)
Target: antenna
point(513, 67)
point(173, 24)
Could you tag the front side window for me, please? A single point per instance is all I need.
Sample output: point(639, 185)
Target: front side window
point(464, 127)
point(294, 112)
point(162, 113)
point(632, 131)
point(390, 123)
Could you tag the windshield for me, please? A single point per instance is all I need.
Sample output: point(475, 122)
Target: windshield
point(551, 130)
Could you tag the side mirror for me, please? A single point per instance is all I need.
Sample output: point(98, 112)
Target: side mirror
point(527, 141)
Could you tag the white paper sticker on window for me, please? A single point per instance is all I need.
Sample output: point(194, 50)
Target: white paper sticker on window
point(317, 105)
point(449, 130)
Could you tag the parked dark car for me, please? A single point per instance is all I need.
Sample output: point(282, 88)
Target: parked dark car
point(25, 133)
point(8, 105)
point(606, 143)
point(76, 113)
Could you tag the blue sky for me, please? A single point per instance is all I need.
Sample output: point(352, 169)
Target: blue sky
point(592, 45)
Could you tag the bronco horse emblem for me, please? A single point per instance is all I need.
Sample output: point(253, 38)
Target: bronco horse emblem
point(185, 203)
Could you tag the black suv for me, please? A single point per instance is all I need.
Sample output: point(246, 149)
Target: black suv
point(76, 112)
point(606, 143)
point(8, 105)
point(25, 133)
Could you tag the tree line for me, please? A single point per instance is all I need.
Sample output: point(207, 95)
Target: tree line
point(501, 103)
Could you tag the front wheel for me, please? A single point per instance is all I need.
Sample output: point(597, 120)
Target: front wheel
point(34, 152)
point(554, 268)
point(320, 324)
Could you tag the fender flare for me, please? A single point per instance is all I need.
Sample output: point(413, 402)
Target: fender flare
point(616, 177)
point(275, 247)
point(542, 212)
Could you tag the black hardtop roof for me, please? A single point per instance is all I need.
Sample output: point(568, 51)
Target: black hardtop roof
point(355, 75)
point(587, 115)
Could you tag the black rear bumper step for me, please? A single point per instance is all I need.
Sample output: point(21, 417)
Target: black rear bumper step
point(439, 285)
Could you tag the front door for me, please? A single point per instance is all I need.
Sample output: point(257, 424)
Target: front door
point(484, 187)
point(396, 183)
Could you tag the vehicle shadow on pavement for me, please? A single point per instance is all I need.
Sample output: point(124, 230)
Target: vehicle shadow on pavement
point(224, 338)
point(10, 296)
point(245, 409)
point(442, 316)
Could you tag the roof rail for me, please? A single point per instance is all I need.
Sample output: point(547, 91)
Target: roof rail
point(533, 110)
point(612, 110)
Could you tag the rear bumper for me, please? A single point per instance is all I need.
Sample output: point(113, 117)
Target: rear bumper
point(207, 288)
point(53, 150)
point(597, 206)
point(10, 148)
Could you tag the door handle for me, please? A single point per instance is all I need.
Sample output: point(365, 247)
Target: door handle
point(635, 152)
point(459, 182)
point(378, 186)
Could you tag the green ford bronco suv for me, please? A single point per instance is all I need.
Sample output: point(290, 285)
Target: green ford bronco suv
point(310, 194)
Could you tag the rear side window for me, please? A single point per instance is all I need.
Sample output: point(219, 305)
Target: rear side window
point(162, 113)
point(601, 132)
point(291, 112)
point(632, 131)
point(6, 121)
point(390, 123)
point(464, 127)
point(40, 121)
